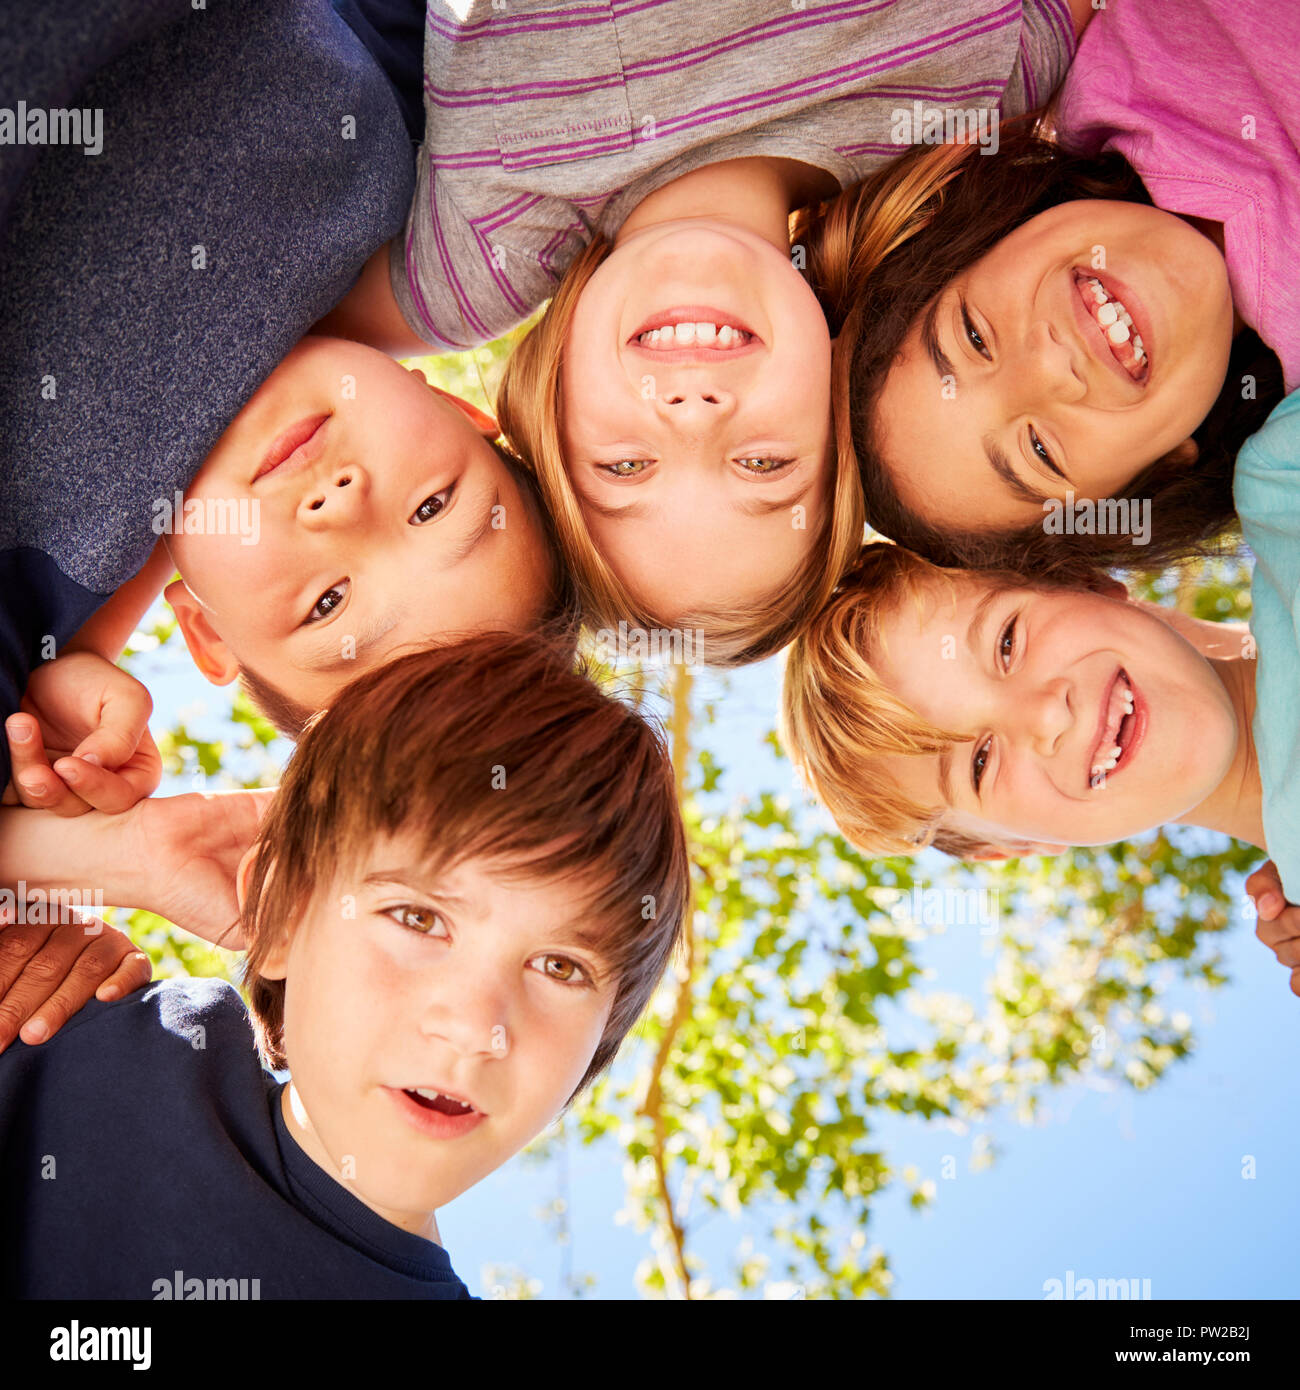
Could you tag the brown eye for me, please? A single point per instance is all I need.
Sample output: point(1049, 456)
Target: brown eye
point(430, 508)
point(563, 970)
point(421, 919)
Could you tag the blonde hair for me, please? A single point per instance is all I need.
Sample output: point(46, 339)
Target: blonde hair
point(839, 720)
point(528, 408)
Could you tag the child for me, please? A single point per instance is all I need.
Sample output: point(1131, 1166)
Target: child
point(992, 717)
point(471, 880)
point(639, 167)
point(365, 512)
point(1028, 329)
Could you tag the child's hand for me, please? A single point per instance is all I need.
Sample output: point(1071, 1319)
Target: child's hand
point(82, 740)
point(48, 972)
point(1279, 921)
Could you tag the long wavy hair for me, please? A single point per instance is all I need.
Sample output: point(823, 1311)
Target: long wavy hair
point(880, 253)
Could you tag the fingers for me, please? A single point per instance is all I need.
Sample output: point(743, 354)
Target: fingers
point(125, 707)
point(1295, 982)
point(1265, 886)
point(75, 962)
point(134, 972)
point(29, 972)
point(107, 790)
point(35, 783)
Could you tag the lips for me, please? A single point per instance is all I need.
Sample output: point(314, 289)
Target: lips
point(438, 1116)
point(302, 443)
point(694, 333)
point(1114, 325)
point(1121, 726)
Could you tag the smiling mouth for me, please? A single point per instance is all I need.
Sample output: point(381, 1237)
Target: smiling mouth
point(1116, 737)
point(1116, 324)
point(291, 442)
point(698, 329)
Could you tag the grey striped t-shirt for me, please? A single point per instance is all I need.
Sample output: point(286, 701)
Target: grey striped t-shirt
point(549, 120)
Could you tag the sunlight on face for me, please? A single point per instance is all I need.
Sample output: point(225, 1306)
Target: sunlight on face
point(696, 415)
point(1037, 682)
point(475, 985)
point(1009, 389)
point(388, 521)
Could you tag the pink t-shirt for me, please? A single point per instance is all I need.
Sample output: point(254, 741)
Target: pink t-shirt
point(1202, 97)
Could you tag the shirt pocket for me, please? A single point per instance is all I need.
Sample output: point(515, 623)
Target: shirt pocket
point(560, 91)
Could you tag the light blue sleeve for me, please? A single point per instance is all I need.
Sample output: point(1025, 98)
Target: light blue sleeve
point(1266, 489)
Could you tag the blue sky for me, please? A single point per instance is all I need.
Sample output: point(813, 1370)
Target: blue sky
point(1110, 1183)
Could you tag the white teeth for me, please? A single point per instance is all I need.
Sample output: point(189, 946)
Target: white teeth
point(1107, 315)
point(705, 332)
point(1118, 332)
point(438, 1095)
point(1138, 346)
point(684, 333)
point(1098, 293)
point(725, 335)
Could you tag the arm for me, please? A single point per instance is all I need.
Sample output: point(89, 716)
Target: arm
point(109, 629)
point(176, 856)
point(369, 314)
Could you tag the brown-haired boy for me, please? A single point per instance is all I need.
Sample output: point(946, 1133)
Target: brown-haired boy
point(469, 884)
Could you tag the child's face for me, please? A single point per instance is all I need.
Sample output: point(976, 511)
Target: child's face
point(702, 467)
point(474, 986)
point(386, 520)
point(1017, 396)
point(1037, 681)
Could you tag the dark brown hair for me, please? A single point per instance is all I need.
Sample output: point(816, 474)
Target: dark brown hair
point(879, 255)
point(415, 748)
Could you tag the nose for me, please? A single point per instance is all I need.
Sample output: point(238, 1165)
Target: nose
point(469, 1012)
point(337, 499)
point(1049, 367)
point(1046, 715)
point(692, 403)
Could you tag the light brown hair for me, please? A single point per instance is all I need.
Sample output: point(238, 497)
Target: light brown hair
point(413, 747)
point(529, 409)
point(840, 721)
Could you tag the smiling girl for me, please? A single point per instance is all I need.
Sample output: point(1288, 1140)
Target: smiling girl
point(1110, 316)
point(637, 165)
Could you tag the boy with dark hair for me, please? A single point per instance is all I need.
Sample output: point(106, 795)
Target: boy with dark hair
point(469, 883)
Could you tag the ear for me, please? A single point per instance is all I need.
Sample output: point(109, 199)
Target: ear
point(480, 419)
point(210, 653)
point(1108, 587)
point(1183, 455)
point(274, 964)
point(1018, 849)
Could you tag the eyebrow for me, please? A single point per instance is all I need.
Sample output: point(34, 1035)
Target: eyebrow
point(416, 880)
point(756, 507)
point(370, 633)
point(974, 638)
point(463, 550)
point(997, 456)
